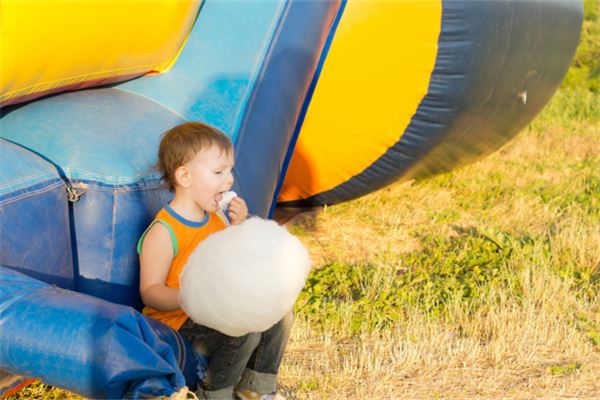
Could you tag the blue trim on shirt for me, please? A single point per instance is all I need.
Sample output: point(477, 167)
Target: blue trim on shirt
point(193, 224)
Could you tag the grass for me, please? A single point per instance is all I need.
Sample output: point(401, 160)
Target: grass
point(480, 283)
point(585, 70)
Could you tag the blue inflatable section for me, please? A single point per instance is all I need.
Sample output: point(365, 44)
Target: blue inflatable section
point(246, 68)
point(104, 141)
point(249, 79)
point(278, 99)
point(34, 217)
point(215, 73)
point(87, 345)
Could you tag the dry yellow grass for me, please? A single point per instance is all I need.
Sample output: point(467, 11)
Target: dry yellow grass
point(526, 347)
point(503, 351)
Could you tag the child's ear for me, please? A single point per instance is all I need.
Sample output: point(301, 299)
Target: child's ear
point(182, 176)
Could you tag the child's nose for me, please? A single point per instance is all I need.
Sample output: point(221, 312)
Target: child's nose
point(229, 179)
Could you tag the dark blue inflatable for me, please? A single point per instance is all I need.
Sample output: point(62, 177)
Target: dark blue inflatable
point(104, 143)
point(34, 217)
point(78, 341)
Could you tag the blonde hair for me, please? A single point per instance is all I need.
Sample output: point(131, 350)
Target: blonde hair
point(181, 143)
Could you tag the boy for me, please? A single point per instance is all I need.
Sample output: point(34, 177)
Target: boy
point(196, 161)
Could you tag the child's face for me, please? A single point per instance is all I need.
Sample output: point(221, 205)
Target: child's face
point(209, 176)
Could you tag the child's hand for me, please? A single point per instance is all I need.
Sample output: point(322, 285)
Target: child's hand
point(238, 211)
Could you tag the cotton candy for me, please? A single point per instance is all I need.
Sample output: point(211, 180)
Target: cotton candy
point(245, 278)
point(226, 199)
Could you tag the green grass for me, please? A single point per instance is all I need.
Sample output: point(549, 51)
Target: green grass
point(497, 263)
point(40, 390)
point(585, 70)
point(564, 369)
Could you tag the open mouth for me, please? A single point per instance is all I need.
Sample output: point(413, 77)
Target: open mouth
point(223, 198)
point(217, 199)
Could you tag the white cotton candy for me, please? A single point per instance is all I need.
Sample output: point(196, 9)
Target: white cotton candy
point(226, 199)
point(245, 278)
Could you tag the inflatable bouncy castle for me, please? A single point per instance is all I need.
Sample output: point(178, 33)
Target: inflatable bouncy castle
point(325, 101)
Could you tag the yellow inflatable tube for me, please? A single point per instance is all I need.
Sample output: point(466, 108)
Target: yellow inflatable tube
point(48, 46)
point(374, 77)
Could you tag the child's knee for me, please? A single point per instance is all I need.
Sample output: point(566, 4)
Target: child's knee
point(246, 342)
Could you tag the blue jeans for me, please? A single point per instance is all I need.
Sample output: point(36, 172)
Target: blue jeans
point(248, 362)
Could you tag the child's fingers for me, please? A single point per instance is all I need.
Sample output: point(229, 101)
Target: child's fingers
point(238, 200)
point(234, 218)
point(234, 208)
point(237, 213)
point(233, 211)
point(239, 207)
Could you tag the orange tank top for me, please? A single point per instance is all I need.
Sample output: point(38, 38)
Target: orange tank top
point(185, 236)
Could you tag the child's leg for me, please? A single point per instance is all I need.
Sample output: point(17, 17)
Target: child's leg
point(228, 357)
point(260, 375)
